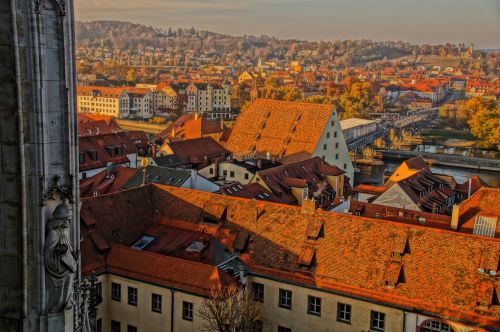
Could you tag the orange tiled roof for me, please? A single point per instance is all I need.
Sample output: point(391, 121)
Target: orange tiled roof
point(352, 256)
point(279, 127)
point(485, 201)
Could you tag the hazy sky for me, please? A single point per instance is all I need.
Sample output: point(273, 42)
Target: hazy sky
point(419, 21)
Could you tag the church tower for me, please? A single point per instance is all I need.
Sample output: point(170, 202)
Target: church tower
point(39, 223)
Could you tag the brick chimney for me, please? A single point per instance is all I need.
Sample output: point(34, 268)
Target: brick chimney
point(454, 217)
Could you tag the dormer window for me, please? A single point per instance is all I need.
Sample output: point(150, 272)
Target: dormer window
point(92, 154)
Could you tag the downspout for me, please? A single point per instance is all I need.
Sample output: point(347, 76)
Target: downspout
point(172, 310)
point(24, 221)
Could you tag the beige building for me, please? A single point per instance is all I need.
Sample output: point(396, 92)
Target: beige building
point(121, 102)
point(312, 270)
point(282, 130)
point(113, 102)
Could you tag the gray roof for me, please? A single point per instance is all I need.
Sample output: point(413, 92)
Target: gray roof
point(168, 161)
point(159, 175)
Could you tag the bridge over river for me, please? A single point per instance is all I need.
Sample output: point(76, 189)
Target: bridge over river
point(457, 161)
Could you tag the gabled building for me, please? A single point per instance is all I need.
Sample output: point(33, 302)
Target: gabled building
point(277, 129)
point(312, 270)
point(311, 179)
point(196, 153)
point(193, 126)
point(96, 152)
point(414, 186)
point(241, 171)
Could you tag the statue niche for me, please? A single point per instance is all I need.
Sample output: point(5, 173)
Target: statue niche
point(60, 262)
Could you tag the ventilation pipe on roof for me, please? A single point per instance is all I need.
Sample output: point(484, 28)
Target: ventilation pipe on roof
point(110, 169)
point(243, 280)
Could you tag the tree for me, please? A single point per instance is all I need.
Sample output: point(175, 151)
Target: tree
point(485, 122)
point(357, 100)
point(131, 75)
point(229, 309)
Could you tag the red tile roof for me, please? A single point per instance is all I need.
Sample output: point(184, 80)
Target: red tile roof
point(351, 257)
point(198, 150)
point(190, 126)
point(165, 270)
point(279, 127)
point(486, 201)
point(104, 185)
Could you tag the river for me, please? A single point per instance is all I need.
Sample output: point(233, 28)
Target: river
point(374, 174)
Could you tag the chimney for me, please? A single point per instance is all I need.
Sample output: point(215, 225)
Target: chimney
point(242, 275)
point(268, 155)
point(454, 217)
point(196, 115)
point(221, 123)
point(110, 170)
point(173, 132)
point(259, 163)
point(308, 205)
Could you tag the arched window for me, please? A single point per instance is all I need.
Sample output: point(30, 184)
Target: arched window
point(435, 326)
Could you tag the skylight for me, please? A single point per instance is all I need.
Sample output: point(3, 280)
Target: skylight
point(485, 226)
point(142, 242)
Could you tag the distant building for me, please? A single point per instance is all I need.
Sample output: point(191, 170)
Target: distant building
point(196, 153)
point(120, 102)
point(95, 152)
point(194, 126)
point(279, 129)
point(242, 171)
point(356, 128)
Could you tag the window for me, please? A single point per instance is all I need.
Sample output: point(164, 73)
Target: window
point(334, 134)
point(132, 296)
point(336, 156)
point(116, 291)
point(224, 173)
point(115, 326)
point(285, 299)
point(98, 326)
point(246, 176)
point(257, 326)
point(336, 145)
point(231, 174)
point(324, 146)
point(131, 328)
point(258, 292)
point(345, 166)
point(81, 157)
point(435, 326)
point(344, 313)
point(187, 310)
point(98, 290)
point(327, 135)
point(284, 329)
point(332, 123)
point(211, 171)
point(314, 306)
point(377, 321)
point(156, 302)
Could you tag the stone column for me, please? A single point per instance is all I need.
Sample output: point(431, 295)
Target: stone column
point(38, 156)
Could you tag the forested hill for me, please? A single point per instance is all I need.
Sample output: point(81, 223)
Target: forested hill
point(137, 37)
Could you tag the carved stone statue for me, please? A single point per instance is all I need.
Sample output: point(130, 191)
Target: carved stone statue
point(60, 263)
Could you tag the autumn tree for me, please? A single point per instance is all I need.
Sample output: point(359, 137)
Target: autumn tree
point(229, 309)
point(131, 75)
point(358, 99)
point(485, 121)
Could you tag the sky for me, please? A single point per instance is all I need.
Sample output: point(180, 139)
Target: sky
point(416, 21)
